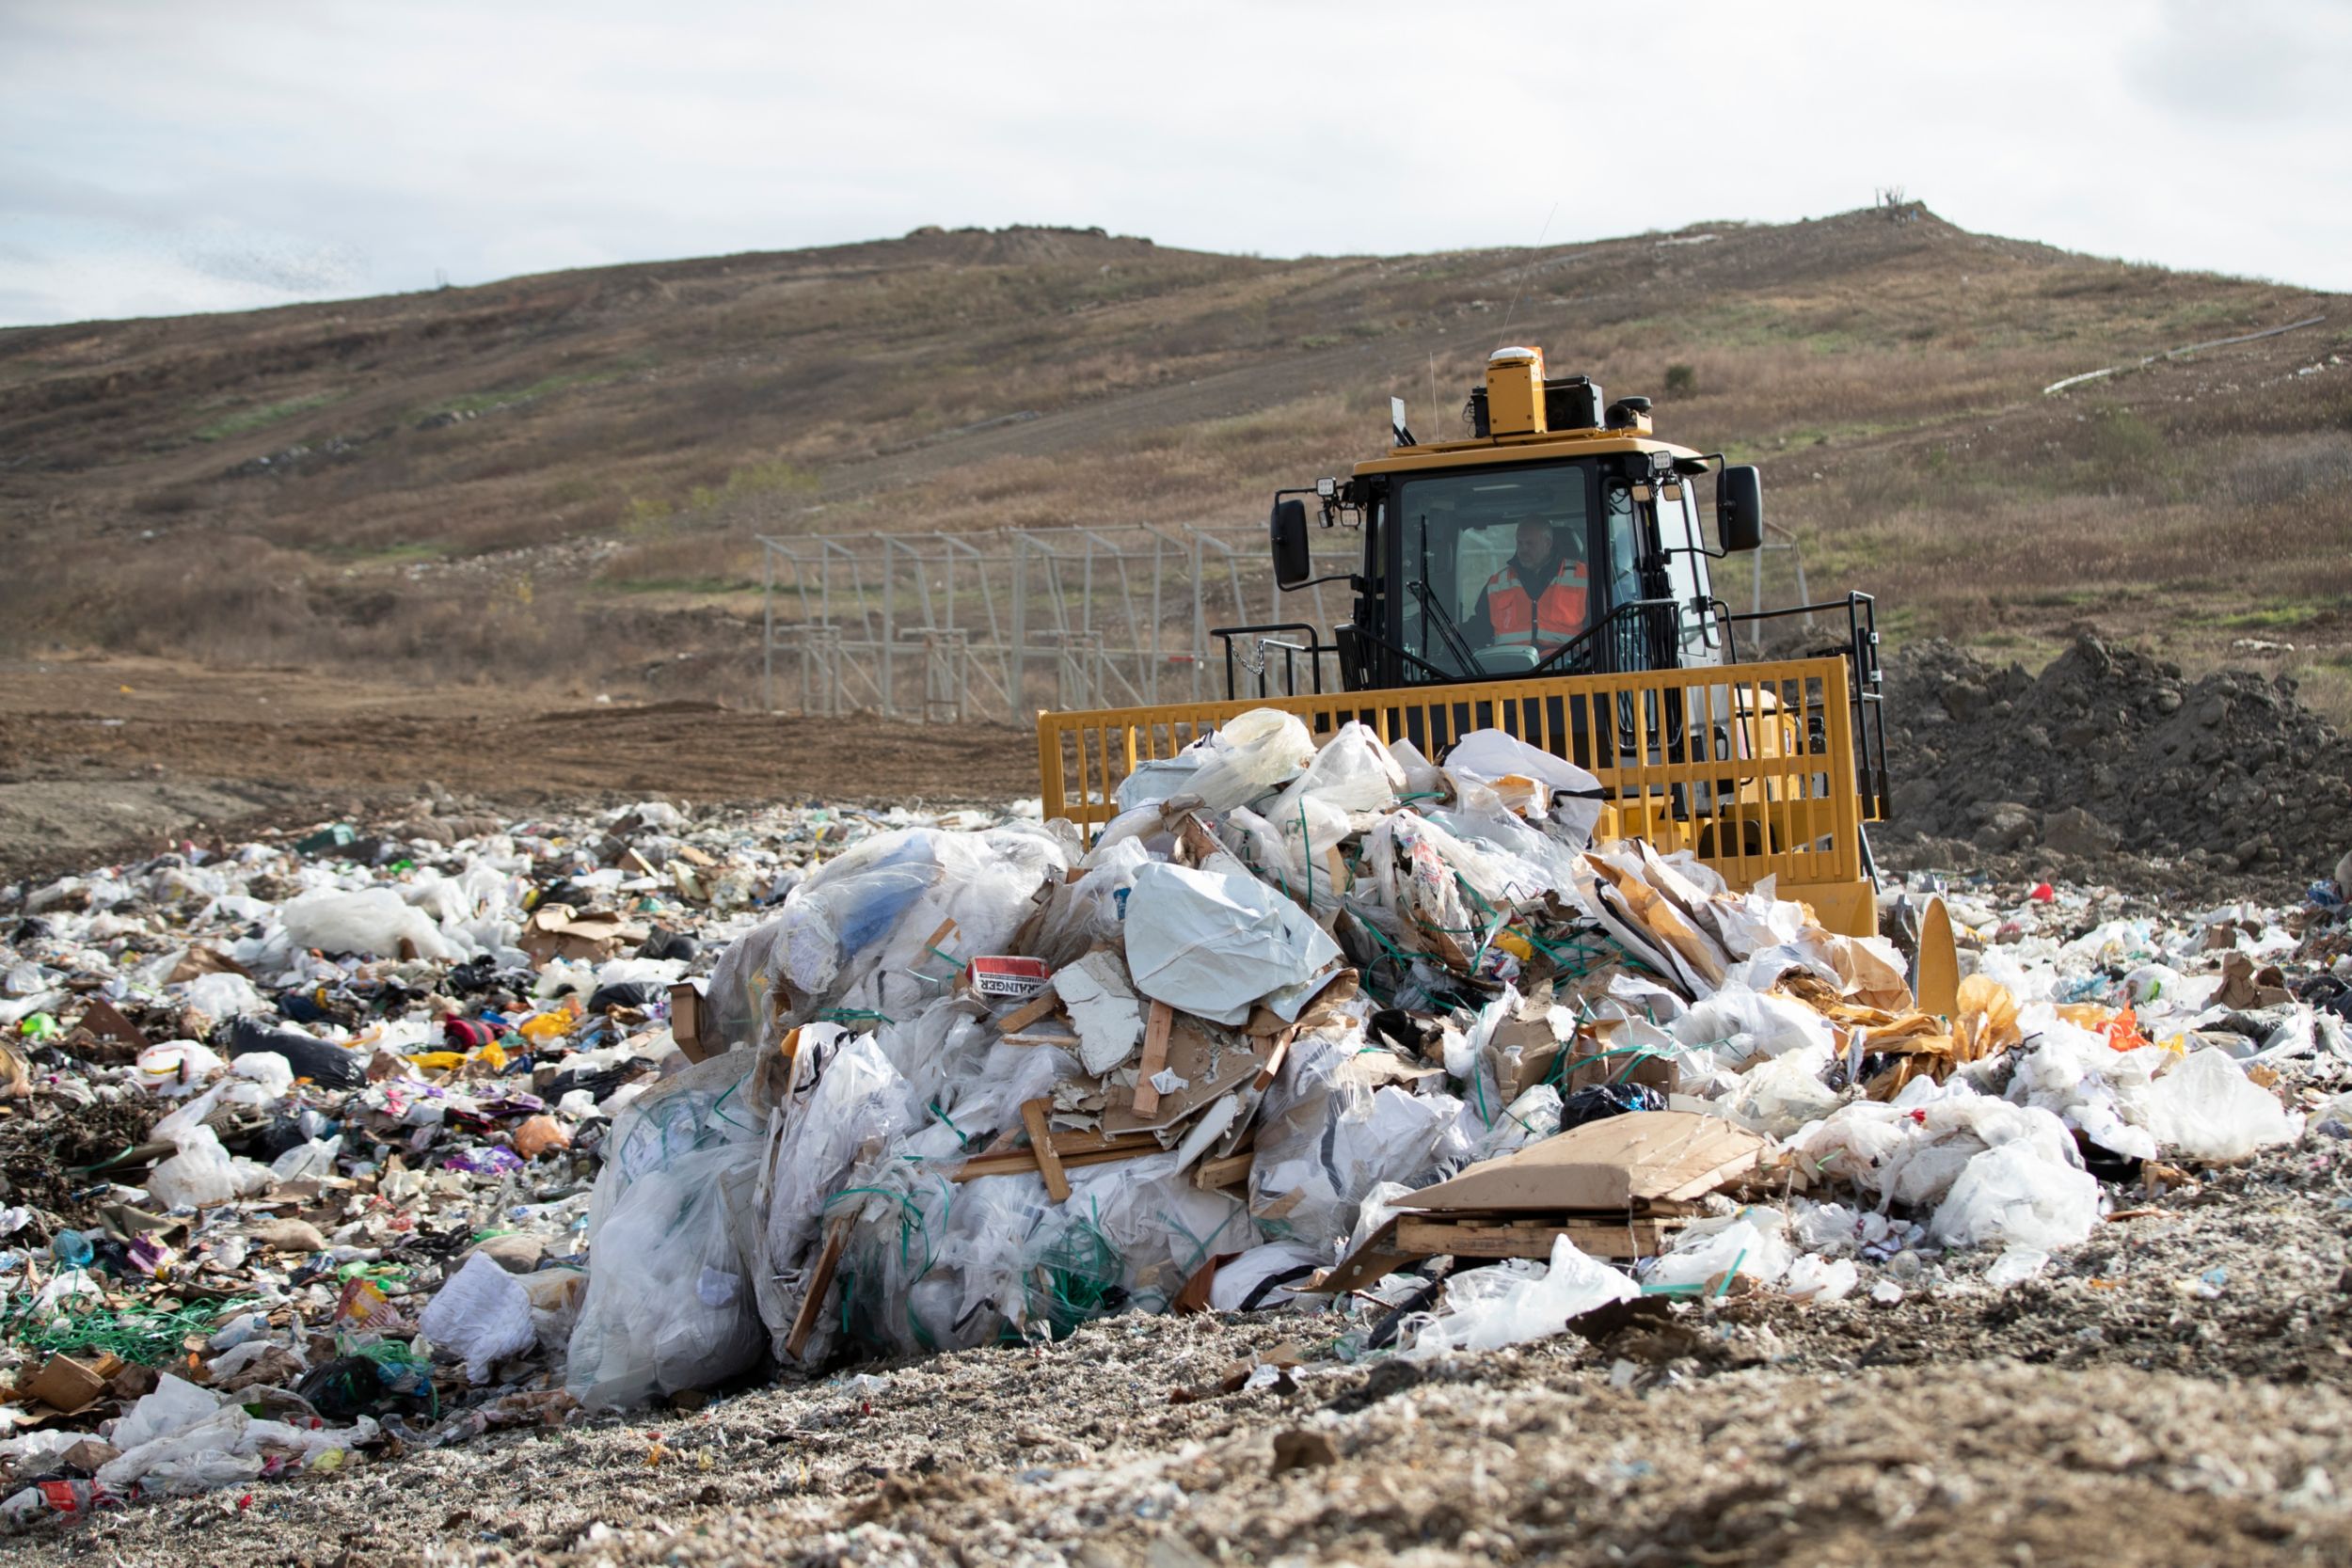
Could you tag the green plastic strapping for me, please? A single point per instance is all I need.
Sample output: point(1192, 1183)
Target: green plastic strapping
point(149, 1336)
point(962, 1142)
point(1079, 1270)
point(1307, 852)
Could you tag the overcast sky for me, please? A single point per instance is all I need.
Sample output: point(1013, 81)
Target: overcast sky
point(172, 156)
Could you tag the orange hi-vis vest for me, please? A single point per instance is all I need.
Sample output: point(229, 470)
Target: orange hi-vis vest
point(1549, 621)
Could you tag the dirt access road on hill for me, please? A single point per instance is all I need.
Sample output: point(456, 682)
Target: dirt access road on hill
point(120, 754)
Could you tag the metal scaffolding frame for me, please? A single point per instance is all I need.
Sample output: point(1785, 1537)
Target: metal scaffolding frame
point(945, 627)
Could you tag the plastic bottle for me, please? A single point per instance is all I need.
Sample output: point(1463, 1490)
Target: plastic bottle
point(72, 1250)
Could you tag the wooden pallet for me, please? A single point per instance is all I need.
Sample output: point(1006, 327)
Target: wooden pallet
point(1410, 1238)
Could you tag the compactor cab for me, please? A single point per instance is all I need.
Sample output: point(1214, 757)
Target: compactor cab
point(1549, 575)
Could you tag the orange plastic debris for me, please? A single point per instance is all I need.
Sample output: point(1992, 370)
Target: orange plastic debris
point(538, 1134)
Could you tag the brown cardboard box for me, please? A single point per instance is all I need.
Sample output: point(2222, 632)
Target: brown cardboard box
point(67, 1386)
point(557, 931)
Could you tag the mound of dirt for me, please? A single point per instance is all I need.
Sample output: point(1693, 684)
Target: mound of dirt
point(2109, 753)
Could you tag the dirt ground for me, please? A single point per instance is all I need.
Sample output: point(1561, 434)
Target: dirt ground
point(2173, 1392)
point(99, 758)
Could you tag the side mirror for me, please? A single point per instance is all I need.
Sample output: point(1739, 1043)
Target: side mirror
point(1739, 509)
point(1288, 528)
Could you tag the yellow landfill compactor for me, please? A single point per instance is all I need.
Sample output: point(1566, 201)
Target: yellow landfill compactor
point(1547, 575)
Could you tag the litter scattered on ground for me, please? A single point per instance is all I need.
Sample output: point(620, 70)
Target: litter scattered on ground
point(298, 1139)
point(326, 1149)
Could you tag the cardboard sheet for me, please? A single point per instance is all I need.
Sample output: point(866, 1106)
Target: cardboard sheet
point(1610, 1165)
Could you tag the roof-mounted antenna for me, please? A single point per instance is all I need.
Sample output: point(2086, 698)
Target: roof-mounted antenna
point(1522, 293)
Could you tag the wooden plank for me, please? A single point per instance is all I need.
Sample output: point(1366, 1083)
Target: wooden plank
point(1421, 1238)
point(1378, 1257)
point(1032, 1011)
point(1038, 1037)
point(1014, 1161)
point(1273, 1063)
point(1233, 1170)
point(1024, 1161)
point(804, 1321)
point(1041, 1148)
point(1154, 1057)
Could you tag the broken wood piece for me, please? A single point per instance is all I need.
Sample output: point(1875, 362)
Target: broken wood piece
point(804, 1321)
point(1155, 1028)
point(1030, 1012)
point(1070, 1149)
point(1273, 1063)
point(1618, 1239)
point(1039, 1036)
point(1230, 1171)
point(1367, 1265)
point(1041, 1146)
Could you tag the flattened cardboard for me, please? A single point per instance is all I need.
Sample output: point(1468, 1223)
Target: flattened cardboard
point(1593, 1061)
point(1610, 1166)
point(557, 931)
point(104, 1021)
point(1209, 1061)
point(67, 1386)
point(199, 961)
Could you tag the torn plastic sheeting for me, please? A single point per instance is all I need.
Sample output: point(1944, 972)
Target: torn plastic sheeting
point(1242, 759)
point(1214, 942)
point(1351, 772)
point(668, 1304)
point(846, 1103)
point(1517, 1301)
point(858, 934)
point(374, 921)
point(1324, 1146)
point(481, 1314)
point(1491, 755)
point(2207, 1108)
point(1709, 1253)
point(2013, 1194)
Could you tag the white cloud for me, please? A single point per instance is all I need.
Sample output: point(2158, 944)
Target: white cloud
point(157, 159)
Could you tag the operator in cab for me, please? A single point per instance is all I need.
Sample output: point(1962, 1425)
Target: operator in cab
point(1538, 599)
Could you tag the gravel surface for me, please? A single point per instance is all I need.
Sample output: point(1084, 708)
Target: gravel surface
point(2174, 1391)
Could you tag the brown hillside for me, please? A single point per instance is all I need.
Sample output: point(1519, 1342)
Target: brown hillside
point(559, 475)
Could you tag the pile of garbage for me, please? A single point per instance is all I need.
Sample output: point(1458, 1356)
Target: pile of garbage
point(298, 1139)
point(323, 1149)
point(2109, 750)
point(1304, 1017)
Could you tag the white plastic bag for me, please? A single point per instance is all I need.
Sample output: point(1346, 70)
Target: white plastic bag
point(175, 1067)
point(2013, 1196)
point(482, 1314)
point(203, 1174)
point(2207, 1109)
point(1518, 1300)
point(374, 921)
point(670, 1303)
